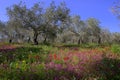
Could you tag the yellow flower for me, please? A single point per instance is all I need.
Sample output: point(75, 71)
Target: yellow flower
point(16, 65)
point(23, 61)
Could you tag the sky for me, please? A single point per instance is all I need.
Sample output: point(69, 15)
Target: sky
point(99, 9)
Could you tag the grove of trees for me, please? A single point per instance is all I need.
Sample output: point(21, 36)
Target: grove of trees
point(53, 24)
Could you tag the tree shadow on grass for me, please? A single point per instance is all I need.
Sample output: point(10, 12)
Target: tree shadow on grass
point(20, 53)
point(108, 69)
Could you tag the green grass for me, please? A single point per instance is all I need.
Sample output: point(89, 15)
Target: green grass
point(27, 62)
point(115, 48)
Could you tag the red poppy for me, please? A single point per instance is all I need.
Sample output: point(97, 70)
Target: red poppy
point(55, 56)
point(66, 58)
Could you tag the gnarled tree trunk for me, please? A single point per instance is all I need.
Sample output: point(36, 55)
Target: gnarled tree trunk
point(10, 40)
point(35, 38)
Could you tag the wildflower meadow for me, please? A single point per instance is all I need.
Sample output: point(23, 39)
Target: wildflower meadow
point(30, 62)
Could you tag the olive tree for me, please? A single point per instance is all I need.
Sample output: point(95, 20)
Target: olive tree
point(94, 29)
point(106, 36)
point(116, 8)
point(29, 18)
point(78, 27)
point(40, 20)
point(2, 26)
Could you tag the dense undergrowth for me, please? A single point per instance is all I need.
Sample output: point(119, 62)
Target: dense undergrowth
point(64, 62)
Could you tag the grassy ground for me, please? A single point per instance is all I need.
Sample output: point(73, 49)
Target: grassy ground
point(63, 62)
